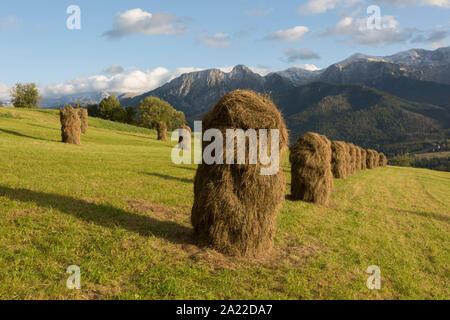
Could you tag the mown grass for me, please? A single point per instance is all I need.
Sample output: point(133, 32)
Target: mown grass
point(118, 208)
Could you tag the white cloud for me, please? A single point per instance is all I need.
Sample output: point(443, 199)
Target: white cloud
point(293, 54)
point(132, 81)
point(137, 21)
point(4, 92)
point(438, 44)
point(218, 40)
point(321, 6)
point(404, 3)
point(356, 31)
point(294, 34)
point(113, 69)
point(317, 6)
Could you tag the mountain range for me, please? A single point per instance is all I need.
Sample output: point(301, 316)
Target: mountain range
point(398, 103)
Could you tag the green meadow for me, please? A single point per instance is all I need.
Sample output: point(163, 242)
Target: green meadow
point(120, 209)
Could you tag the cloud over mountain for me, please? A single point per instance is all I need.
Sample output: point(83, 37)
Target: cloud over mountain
point(129, 81)
point(293, 54)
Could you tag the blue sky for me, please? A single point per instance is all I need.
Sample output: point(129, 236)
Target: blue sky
point(149, 42)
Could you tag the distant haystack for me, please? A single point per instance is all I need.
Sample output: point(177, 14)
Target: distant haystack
point(83, 114)
point(352, 158)
point(184, 141)
point(382, 160)
point(312, 179)
point(376, 159)
point(339, 165)
point(357, 158)
point(70, 125)
point(234, 205)
point(161, 127)
point(372, 158)
point(363, 159)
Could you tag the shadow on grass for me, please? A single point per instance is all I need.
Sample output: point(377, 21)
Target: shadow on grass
point(144, 136)
point(103, 215)
point(184, 167)
point(166, 177)
point(24, 135)
point(44, 127)
point(424, 214)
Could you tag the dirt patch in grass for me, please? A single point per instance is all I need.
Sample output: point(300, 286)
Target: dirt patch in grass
point(279, 255)
point(156, 210)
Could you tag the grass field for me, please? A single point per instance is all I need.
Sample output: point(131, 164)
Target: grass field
point(118, 208)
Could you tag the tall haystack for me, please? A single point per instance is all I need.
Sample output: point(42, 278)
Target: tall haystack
point(161, 127)
point(185, 141)
point(363, 159)
point(70, 125)
point(376, 159)
point(312, 179)
point(372, 158)
point(382, 160)
point(339, 164)
point(234, 205)
point(357, 158)
point(352, 158)
point(83, 114)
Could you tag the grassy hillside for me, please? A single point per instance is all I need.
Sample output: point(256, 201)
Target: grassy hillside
point(119, 209)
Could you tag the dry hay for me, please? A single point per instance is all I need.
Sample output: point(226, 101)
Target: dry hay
point(372, 158)
point(339, 165)
point(352, 158)
point(83, 114)
point(312, 179)
point(363, 159)
point(382, 160)
point(161, 127)
point(70, 125)
point(357, 159)
point(185, 141)
point(376, 159)
point(234, 205)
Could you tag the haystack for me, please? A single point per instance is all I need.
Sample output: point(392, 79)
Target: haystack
point(312, 179)
point(376, 159)
point(83, 114)
point(161, 127)
point(357, 159)
point(70, 125)
point(234, 205)
point(382, 160)
point(339, 164)
point(352, 158)
point(185, 141)
point(363, 159)
point(372, 158)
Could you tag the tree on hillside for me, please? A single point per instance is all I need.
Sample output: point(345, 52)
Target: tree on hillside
point(92, 110)
point(130, 115)
point(25, 95)
point(152, 110)
point(109, 107)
